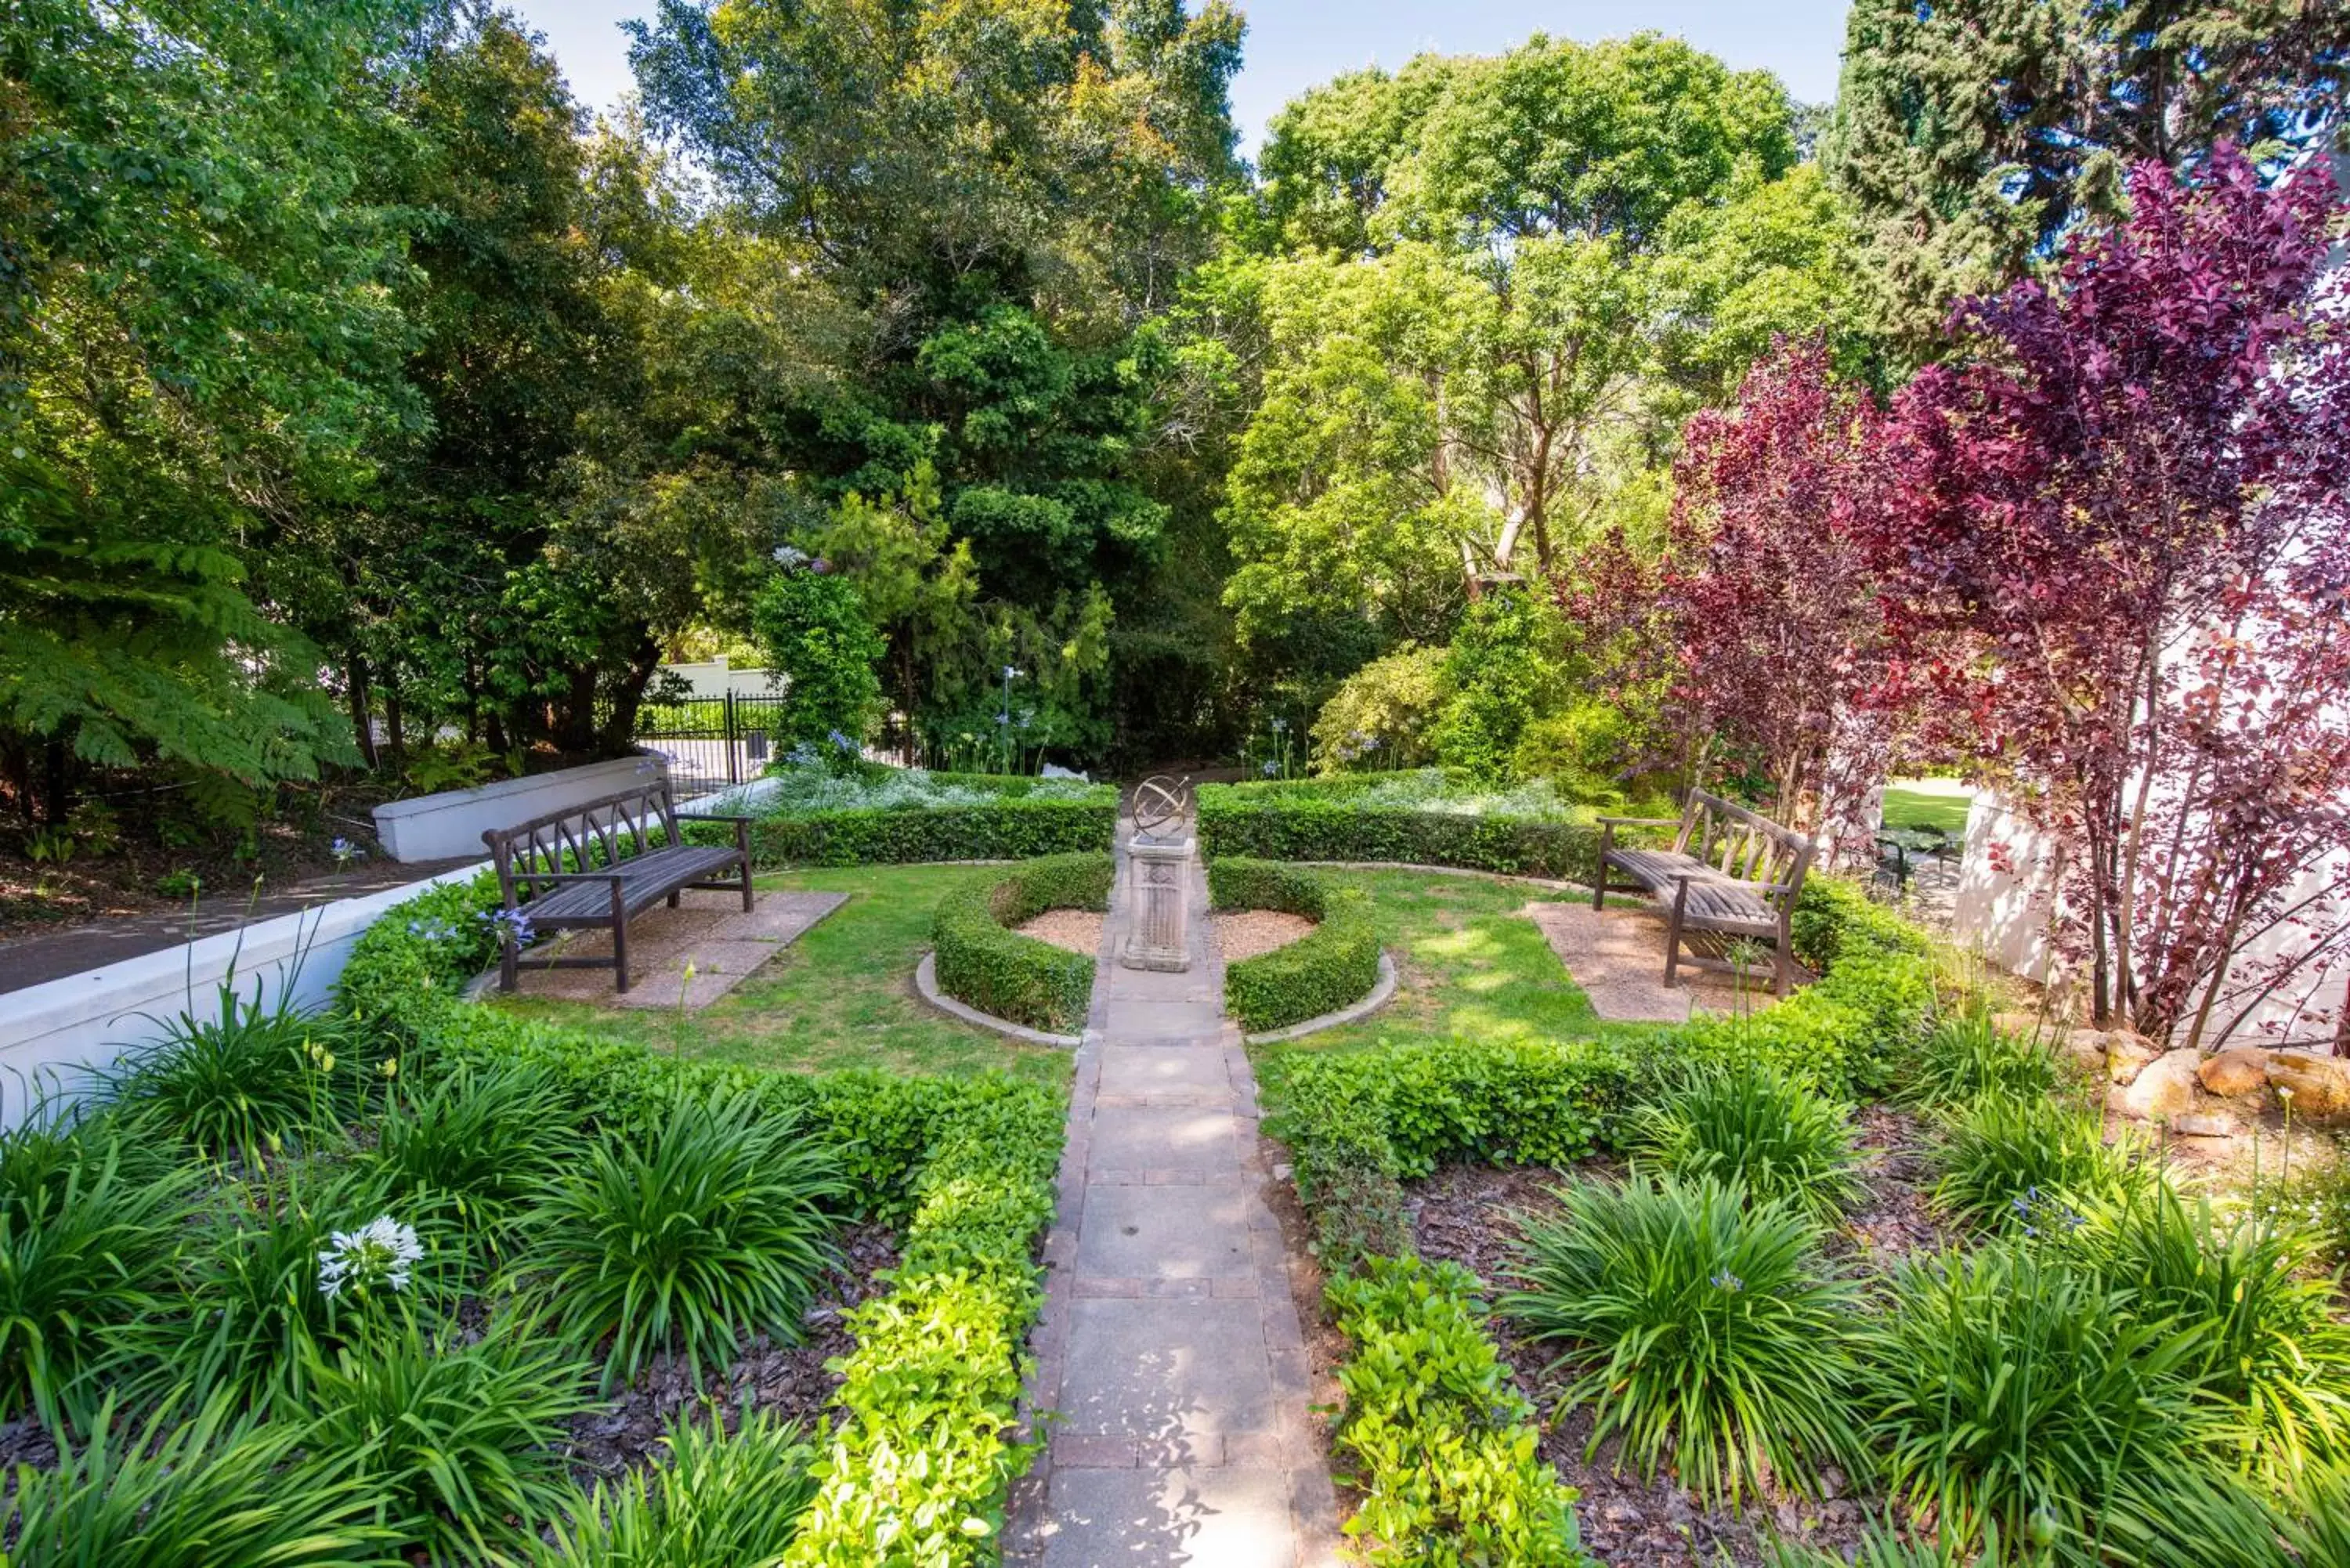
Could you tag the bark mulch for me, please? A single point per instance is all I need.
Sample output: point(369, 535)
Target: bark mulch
point(786, 1380)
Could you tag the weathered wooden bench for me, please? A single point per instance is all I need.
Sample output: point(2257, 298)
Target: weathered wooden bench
point(595, 867)
point(1732, 876)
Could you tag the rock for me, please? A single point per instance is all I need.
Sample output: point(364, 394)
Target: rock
point(2239, 1070)
point(2127, 1055)
point(1283, 1171)
point(2162, 1090)
point(2086, 1049)
point(2319, 1086)
point(2202, 1123)
point(1620, 1512)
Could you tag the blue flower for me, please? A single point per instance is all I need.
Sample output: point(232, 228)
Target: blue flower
point(345, 851)
point(1270, 769)
point(507, 925)
point(1279, 725)
point(843, 741)
point(1726, 1281)
point(1011, 673)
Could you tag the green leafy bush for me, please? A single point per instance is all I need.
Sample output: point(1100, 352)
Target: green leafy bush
point(1443, 1449)
point(1880, 1547)
point(241, 1084)
point(1834, 917)
point(191, 1488)
point(460, 1444)
point(1359, 1123)
point(1756, 1127)
point(86, 1238)
point(982, 962)
point(483, 1140)
point(2008, 1392)
point(253, 1308)
point(1335, 964)
point(1702, 1328)
point(717, 1498)
point(2029, 1164)
point(1966, 1056)
point(2269, 1349)
point(814, 630)
point(1405, 818)
point(1380, 715)
point(713, 1230)
point(1011, 828)
point(1846, 1034)
point(422, 951)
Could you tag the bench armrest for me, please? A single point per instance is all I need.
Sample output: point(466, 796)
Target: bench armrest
point(1639, 821)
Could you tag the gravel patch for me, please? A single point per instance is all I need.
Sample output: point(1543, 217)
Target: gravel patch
point(1079, 931)
point(1244, 933)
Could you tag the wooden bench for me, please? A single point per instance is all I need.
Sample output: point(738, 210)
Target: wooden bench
point(1732, 876)
point(566, 871)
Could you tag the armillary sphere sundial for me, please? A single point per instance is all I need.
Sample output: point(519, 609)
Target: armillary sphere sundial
point(1159, 800)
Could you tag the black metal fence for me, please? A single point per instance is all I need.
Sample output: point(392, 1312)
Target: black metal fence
point(711, 742)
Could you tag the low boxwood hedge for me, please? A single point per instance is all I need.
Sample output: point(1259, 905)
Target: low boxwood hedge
point(1290, 824)
point(1008, 829)
point(1335, 964)
point(983, 963)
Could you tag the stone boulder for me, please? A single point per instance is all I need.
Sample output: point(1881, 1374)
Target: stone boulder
point(2127, 1055)
point(2237, 1070)
point(2162, 1090)
point(2320, 1086)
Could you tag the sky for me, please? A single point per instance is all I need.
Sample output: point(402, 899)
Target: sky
point(1295, 43)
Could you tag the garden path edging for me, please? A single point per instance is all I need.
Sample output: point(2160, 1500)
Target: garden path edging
point(1382, 992)
point(926, 986)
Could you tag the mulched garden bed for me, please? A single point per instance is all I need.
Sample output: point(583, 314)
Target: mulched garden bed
point(1470, 1215)
point(788, 1380)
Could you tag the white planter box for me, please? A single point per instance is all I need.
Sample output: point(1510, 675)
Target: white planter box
point(437, 827)
point(53, 1035)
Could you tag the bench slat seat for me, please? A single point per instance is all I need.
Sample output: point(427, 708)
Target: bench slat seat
point(1742, 881)
point(644, 882)
point(597, 866)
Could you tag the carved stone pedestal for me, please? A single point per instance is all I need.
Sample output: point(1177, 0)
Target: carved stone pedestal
point(1159, 939)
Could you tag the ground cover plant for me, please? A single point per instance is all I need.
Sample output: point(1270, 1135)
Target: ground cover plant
point(479, 1230)
point(1755, 1126)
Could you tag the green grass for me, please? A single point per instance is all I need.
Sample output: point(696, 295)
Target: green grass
point(1928, 802)
point(1472, 966)
point(841, 996)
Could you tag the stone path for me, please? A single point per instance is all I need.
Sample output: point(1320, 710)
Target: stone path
point(709, 931)
point(1172, 1379)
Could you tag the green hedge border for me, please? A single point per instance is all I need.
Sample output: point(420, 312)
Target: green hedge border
point(1012, 829)
point(1331, 967)
point(921, 1449)
point(1422, 1377)
point(982, 964)
point(1253, 822)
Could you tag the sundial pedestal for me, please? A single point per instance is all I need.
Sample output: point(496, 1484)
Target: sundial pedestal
point(1160, 938)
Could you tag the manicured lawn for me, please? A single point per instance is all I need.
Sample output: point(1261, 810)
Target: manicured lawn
point(841, 996)
point(1473, 967)
point(1928, 802)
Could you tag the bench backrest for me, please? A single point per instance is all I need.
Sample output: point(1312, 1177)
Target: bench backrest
point(602, 832)
point(1744, 843)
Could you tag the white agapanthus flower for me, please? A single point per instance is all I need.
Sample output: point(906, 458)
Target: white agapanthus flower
point(383, 1251)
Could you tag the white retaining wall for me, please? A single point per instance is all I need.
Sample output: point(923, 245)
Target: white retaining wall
point(52, 1034)
point(2003, 914)
point(437, 827)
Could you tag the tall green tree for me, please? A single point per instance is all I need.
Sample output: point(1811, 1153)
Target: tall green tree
point(1972, 133)
point(1478, 339)
point(199, 336)
point(1006, 195)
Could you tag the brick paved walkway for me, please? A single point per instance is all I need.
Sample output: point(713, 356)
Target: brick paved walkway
point(1171, 1370)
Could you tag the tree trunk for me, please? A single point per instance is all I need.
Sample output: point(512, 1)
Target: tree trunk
point(355, 677)
point(577, 731)
point(56, 786)
point(620, 728)
point(392, 719)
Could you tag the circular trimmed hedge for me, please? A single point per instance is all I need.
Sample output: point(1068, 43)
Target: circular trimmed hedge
point(1335, 964)
point(982, 964)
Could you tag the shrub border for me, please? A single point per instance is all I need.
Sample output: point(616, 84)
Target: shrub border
point(1012, 829)
point(1241, 820)
point(983, 964)
point(923, 1443)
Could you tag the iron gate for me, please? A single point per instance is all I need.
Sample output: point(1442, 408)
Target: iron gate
point(711, 742)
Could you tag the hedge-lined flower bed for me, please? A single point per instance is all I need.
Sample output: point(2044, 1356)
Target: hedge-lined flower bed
point(1365, 819)
point(1334, 965)
point(233, 1289)
point(982, 962)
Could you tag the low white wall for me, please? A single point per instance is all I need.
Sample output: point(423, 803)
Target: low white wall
point(437, 827)
point(715, 678)
point(2006, 892)
point(52, 1034)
